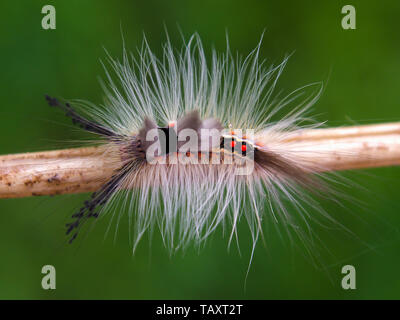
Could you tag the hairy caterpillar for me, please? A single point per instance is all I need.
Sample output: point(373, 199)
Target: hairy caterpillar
point(191, 189)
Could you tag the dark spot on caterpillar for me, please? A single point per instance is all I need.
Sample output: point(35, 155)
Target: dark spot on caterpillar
point(165, 139)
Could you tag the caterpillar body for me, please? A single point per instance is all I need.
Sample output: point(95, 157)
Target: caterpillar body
point(189, 187)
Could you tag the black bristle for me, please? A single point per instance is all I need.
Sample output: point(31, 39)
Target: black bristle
point(86, 124)
point(98, 199)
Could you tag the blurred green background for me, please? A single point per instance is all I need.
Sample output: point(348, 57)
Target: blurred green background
point(360, 69)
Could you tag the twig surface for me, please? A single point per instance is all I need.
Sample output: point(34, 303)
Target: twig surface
point(85, 169)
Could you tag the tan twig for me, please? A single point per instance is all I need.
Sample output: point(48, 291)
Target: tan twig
point(84, 169)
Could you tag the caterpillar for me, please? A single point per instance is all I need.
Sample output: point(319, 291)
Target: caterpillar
point(189, 187)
